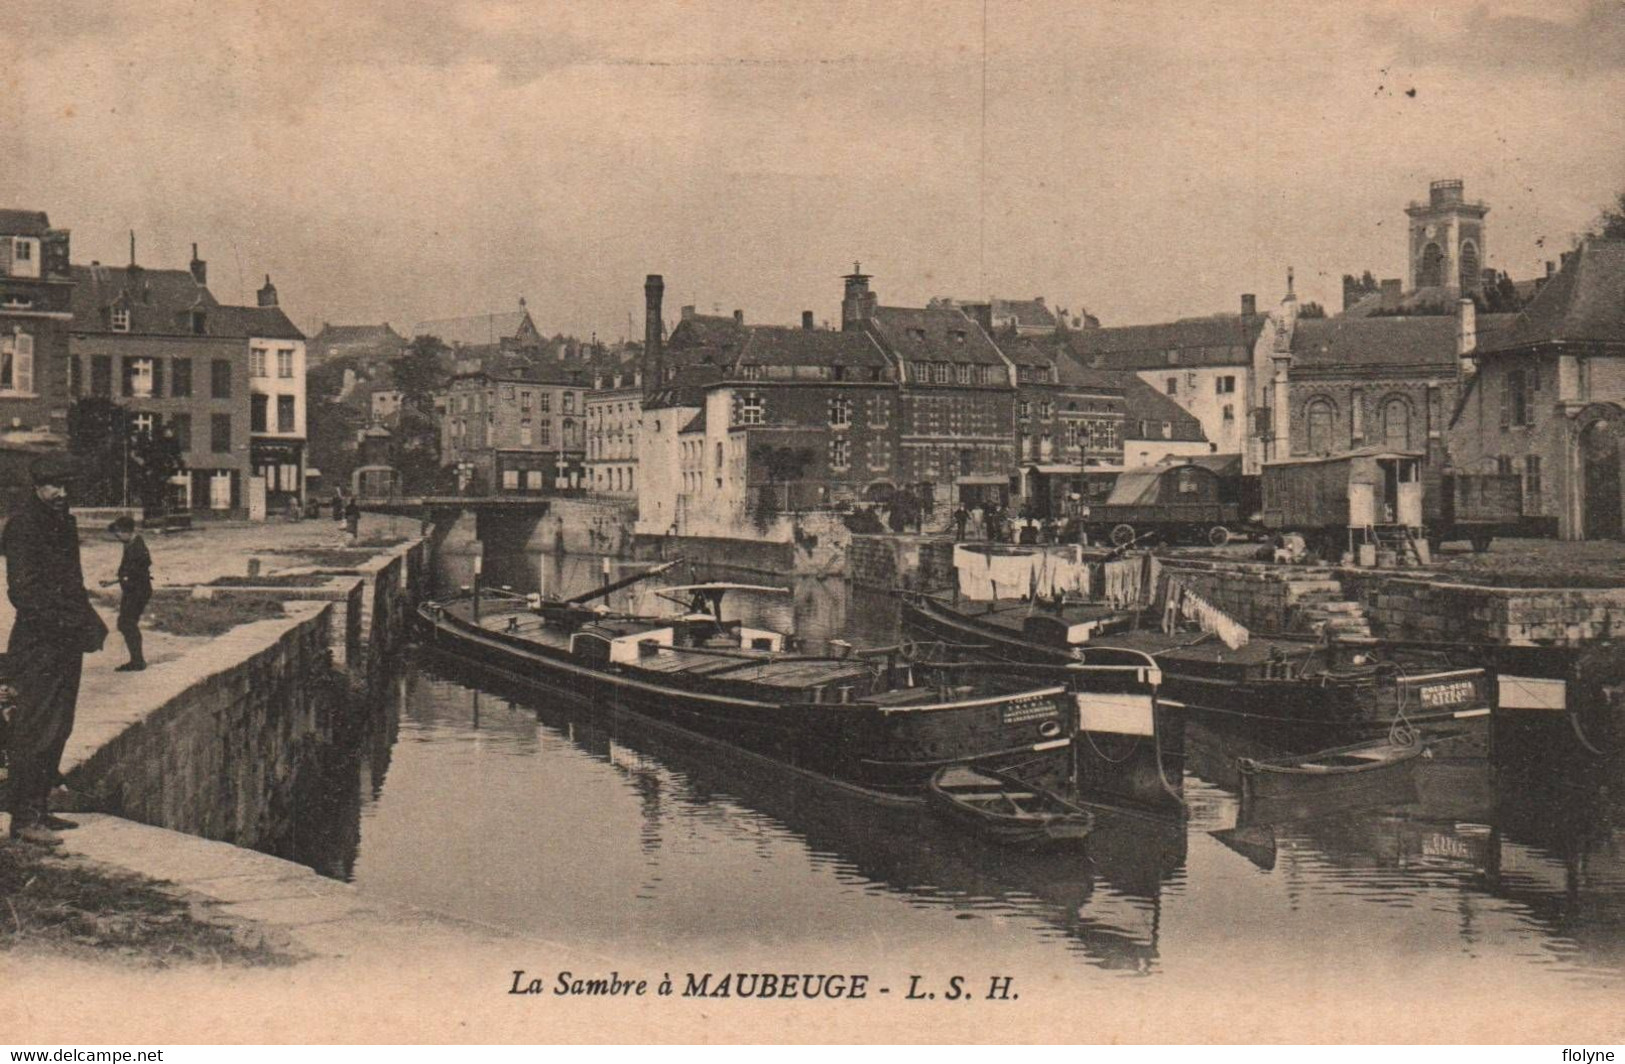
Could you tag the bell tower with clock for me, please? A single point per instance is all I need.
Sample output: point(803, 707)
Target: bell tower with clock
point(1447, 241)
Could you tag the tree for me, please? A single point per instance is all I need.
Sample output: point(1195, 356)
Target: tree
point(421, 372)
point(1311, 310)
point(153, 459)
point(96, 430)
point(1610, 224)
point(121, 464)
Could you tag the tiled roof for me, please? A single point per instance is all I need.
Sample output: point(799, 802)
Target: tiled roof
point(705, 330)
point(774, 345)
point(357, 334)
point(1141, 402)
point(1584, 302)
point(695, 423)
point(23, 223)
point(1423, 340)
point(1029, 313)
point(1218, 341)
point(266, 322)
point(161, 303)
point(933, 335)
point(476, 329)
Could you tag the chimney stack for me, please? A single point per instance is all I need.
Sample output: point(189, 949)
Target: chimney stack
point(1551, 267)
point(267, 295)
point(654, 364)
point(807, 321)
point(739, 318)
point(1393, 291)
point(1249, 305)
point(858, 303)
point(200, 269)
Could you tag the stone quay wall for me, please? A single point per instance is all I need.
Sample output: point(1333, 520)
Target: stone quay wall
point(886, 562)
point(1417, 607)
point(219, 758)
point(1267, 598)
point(219, 751)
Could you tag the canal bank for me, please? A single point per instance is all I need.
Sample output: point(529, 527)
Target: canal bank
point(269, 646)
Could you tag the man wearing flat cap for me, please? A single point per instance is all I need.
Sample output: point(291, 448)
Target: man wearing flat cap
point(54, 629)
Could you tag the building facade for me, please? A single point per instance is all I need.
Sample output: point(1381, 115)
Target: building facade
point(1546, 398)
point(1206, 366)
point(955, 403)
point(276, 394)
point(519, 432)
point(614, 409)
point(36, 286)
point(158, 343)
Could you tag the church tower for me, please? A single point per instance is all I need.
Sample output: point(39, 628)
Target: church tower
point(1447, 241)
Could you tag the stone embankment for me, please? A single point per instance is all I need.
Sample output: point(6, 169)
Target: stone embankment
point(209, 743)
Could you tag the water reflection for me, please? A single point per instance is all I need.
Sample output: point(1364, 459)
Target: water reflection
point(528, 809)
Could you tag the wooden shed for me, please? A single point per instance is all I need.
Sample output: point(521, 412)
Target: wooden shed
point(1362, 489)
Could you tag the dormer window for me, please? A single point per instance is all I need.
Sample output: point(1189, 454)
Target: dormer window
point(121, 319)
point(24, 257)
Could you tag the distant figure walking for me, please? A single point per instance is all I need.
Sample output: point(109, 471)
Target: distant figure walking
point(55, 627)
point(352, 519)
point(338, 507)
point(135, 583)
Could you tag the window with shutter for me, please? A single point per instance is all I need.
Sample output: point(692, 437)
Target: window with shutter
point(1506, 400)
point(24, 373)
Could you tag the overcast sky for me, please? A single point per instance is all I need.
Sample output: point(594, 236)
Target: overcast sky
point(388, 160)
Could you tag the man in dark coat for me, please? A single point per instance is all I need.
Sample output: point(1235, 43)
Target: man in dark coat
point(54, 629)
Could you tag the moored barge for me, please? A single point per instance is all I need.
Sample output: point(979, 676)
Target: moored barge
point(880, 723)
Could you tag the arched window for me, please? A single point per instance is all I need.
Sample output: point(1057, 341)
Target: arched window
point(1469, 266)
point(1321, 417)
point(1431, 275)
point(1396, 424)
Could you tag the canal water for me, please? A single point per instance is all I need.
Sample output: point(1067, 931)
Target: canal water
point(521, 808)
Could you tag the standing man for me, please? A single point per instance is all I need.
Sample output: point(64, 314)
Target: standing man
point(135, 583)
point(961, 518)
point(54, 629)
point(352, 520)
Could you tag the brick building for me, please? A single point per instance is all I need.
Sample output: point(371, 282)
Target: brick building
point(35, 310)
point(955, 405)
point(515, 428)
point(1547, 400)
point(801, 419)
point(159, 343)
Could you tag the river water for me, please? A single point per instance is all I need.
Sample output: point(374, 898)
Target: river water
point(518, 808)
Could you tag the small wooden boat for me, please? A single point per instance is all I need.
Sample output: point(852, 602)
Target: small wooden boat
point(1007, 810)
point(1361, 767)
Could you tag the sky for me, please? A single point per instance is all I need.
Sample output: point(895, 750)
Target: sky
point(390, 160)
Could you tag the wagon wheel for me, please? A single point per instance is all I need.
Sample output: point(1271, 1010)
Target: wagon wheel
point(1122, 535)
point(1218, 536)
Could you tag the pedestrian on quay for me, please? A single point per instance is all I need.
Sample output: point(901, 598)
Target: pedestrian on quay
point(135, 584)
point(338, 506)
point(54, 628)
point(352, 520)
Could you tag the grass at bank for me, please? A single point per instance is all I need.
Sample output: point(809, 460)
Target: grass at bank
point(181, 614)
point(70, 907)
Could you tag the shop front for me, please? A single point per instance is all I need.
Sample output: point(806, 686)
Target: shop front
point(281, 464)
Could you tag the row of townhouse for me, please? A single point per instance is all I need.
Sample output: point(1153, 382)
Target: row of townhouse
point(227, 382)
point(933, 402)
